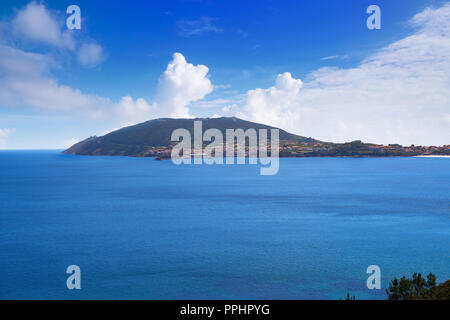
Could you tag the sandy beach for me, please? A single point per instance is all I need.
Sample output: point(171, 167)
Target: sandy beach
point(432, 156)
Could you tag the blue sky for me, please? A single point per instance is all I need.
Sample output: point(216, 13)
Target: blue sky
point(246, 46)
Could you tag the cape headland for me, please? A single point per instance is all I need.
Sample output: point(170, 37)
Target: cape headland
point(153, 139)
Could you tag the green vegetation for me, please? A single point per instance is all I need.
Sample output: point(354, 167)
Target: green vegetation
point(415, 288)
point(153, 139)
point(418, 288)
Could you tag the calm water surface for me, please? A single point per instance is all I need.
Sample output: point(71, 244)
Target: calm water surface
point(146, 229)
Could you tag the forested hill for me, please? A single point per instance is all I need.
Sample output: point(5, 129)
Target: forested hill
point(141, 139)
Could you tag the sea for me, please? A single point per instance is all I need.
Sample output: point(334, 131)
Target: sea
point(144, 229)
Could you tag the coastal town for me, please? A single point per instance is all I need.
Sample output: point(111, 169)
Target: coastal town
point(293, 149)
point(358, 148)
point(154, 139)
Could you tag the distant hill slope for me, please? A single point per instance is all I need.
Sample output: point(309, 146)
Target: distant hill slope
point(137, 140)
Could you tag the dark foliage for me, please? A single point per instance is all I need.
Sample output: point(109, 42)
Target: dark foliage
point(418, 288)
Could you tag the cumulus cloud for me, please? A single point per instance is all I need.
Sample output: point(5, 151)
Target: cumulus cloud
point(90, 54)
point(275, 105)
point(37, 23)
point(181, 84)
point(132, 112)
point(4, 134)
point(399, 94)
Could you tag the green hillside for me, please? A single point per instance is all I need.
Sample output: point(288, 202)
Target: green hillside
point(138, 139)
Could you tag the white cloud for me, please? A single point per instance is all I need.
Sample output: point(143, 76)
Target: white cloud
point(37, 23)
point(275, 105)
point(181, 84)
point(90, 54)
point(25, 80)
point(4, 134)
point(399, 94)
point(131, 112)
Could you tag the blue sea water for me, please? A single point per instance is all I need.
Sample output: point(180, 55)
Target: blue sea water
point(145, 229)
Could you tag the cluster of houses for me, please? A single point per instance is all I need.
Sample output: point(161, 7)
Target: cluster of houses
point(317, 148)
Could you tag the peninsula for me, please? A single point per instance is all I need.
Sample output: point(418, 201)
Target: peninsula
point(153, 139)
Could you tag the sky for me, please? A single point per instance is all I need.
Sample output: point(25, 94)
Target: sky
point(313, 68)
